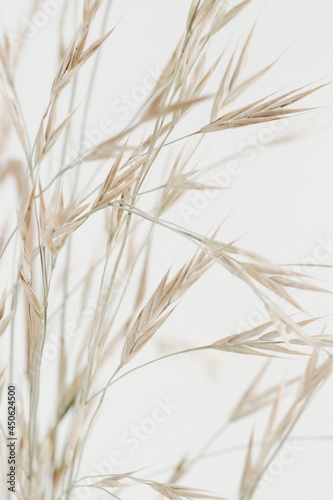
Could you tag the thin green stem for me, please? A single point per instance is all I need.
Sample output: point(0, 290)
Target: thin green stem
point(166, 356)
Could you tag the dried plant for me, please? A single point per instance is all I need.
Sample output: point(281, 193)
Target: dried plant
point(120, 205)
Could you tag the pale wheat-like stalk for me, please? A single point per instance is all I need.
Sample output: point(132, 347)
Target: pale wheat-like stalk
point(53, 207)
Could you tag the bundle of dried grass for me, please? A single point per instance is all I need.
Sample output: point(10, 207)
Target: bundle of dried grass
point(54, 208)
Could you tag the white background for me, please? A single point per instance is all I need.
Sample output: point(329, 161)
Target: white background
point(281, 205)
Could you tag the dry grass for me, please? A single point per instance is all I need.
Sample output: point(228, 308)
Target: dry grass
point(52, 208)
